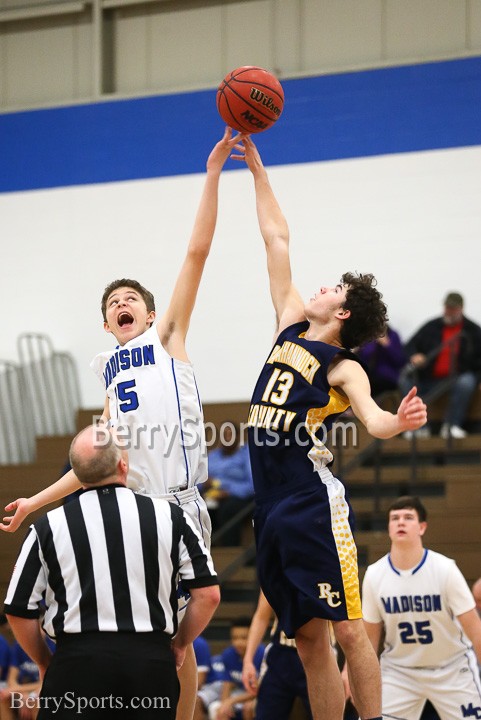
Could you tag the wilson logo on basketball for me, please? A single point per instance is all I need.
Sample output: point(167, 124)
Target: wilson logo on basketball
point(259, 97)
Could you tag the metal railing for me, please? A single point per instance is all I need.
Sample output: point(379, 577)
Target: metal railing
point(38, 396)
point(17, 441)
point(51, 383)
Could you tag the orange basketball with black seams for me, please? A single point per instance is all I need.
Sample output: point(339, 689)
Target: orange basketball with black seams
point(250, 99)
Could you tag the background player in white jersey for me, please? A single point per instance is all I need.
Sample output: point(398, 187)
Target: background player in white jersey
point(152, 397)
point(421, 602)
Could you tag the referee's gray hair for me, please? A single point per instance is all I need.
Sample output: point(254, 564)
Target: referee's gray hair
point(99, 464)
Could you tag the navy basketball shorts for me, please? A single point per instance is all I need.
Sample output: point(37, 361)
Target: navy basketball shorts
point(306, 556)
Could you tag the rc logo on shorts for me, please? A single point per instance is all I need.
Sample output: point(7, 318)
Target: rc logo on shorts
point(471, 711)
point(326, 593)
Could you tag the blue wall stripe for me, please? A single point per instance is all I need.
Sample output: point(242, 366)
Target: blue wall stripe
point(375, 112)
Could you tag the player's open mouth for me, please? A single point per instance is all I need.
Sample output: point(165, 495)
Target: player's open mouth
point(124, 319)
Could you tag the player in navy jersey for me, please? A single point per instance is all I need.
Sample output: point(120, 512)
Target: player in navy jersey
point(306, 554)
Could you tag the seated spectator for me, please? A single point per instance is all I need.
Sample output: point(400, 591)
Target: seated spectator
point(229, 485)
point(384, 359)
point(234, 701)
point(209, 694)
point(448, 346)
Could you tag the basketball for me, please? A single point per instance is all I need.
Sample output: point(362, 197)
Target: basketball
point(250, 99)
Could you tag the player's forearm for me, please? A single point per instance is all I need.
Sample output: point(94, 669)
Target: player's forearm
point(28, 635)
point(272, 222)
point(199, 612)
point(206, 218)
point(471, 624)
point(383, 425)
point(67, 484)
point(257, 630)
point(374, 632)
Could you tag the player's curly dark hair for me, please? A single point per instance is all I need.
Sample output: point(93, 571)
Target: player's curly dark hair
point(125, 282)
point(368, 317)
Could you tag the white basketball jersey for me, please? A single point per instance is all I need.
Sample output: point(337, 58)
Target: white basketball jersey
point(155, 405)
point(419, 608)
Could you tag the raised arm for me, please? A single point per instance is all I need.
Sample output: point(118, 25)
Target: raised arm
point(287, 302)
point(173, 326)
point(350, 378)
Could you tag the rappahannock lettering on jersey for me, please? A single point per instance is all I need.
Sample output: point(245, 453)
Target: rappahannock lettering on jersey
point(296, 357)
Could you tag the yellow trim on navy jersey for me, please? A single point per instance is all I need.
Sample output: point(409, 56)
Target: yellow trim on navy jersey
point(347, 553)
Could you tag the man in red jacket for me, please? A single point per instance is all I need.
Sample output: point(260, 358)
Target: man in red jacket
point(448, 346)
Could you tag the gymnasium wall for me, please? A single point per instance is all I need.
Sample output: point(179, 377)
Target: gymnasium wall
point(375, 171)
point(70, 51)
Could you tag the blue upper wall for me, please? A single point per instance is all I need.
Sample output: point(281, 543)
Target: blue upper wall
point(419, 107)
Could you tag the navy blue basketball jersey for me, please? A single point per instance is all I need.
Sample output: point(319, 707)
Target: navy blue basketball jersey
point(292, 410)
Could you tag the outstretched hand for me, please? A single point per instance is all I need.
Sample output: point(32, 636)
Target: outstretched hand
point(20, 508)
point(412, 412)
point(247, 152)
point(223, 149)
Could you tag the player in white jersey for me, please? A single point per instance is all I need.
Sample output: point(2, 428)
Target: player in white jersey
point(152, 397)
point(154, 404)
point(432, 633)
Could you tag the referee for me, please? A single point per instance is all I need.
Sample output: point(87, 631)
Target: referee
point(107, 565)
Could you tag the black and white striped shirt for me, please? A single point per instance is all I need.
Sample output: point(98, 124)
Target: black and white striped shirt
point(109, 561)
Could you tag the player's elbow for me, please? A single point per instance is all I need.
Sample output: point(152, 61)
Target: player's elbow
point(209, 596)
point(214, 596)
point(276, 238)
point(198, 253)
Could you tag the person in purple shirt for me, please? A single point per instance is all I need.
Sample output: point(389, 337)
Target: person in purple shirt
point(229, 485)
point(384, 359)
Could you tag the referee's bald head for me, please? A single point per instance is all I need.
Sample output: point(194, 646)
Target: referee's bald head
point(95, 456)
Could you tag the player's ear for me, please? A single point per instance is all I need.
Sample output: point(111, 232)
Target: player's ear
point(343, 314)
point(150, 317)
point(422, 528)
point(107, 327)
